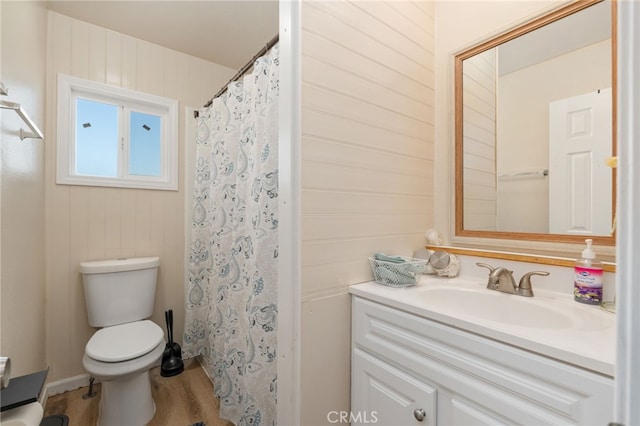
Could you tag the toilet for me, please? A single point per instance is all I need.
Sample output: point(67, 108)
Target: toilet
point(119, 295)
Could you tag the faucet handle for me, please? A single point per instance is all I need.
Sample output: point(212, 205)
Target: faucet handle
point(524, 287)
point(484, 265)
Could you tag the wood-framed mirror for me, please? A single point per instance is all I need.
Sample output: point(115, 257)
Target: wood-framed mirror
point(534, 128)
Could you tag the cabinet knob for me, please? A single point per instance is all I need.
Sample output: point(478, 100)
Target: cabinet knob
point(419, 414)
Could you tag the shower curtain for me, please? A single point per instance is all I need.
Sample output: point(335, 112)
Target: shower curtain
point(231, 294)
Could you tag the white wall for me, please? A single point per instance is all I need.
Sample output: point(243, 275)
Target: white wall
point(367, 162)
point(89, 223)
point(627, 390)
point(22, 277)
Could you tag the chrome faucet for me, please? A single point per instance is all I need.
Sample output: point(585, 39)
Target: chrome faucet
point(501, 279)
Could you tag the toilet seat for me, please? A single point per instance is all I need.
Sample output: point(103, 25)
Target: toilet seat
point(117, 370)
point(124, 342)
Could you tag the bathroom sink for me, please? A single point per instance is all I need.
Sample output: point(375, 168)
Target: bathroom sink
point(476, 303)
point(549, 323)
point(494, 306)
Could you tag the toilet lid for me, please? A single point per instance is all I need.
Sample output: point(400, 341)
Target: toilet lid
point(125, 341)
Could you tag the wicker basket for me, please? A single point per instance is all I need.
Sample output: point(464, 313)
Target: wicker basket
point(397, 274)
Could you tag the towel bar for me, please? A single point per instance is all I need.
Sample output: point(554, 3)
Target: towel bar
point(542, 173)
point(37, 134)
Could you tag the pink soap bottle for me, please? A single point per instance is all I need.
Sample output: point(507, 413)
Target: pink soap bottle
point(587, 284)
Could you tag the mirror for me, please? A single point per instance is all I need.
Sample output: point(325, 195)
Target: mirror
point(535, 125)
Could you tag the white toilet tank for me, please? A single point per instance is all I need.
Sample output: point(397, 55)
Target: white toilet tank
point(119, 291)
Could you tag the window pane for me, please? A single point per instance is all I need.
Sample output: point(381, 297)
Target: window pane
point(144, 149)
point(96, 138)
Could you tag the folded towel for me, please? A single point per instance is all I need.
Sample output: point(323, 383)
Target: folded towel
point(392, 259)
point(392, 274)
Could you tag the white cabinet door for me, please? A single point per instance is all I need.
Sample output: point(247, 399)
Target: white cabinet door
point(384, 395)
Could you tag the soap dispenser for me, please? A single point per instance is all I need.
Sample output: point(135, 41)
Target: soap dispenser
point(587, 284)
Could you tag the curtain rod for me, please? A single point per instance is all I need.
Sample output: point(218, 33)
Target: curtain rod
point(242, 71)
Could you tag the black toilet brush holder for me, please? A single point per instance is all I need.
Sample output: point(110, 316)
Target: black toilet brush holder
point(172, 363)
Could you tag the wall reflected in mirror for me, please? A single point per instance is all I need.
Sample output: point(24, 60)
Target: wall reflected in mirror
point(535, 127)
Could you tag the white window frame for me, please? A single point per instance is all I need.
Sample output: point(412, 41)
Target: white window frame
point(70, 88)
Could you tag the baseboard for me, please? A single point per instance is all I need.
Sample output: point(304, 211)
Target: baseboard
point(66, 385)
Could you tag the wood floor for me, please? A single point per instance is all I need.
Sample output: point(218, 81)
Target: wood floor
point(181, 400)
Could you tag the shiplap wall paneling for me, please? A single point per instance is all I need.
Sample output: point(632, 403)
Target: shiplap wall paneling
point(367, 167)
point(479, 94)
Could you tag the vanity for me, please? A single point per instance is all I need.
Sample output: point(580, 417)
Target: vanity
point(448, 351)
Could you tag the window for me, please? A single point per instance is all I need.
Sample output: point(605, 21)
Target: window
point(109, 136)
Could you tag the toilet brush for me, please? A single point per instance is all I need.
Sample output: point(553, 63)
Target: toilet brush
point(174, 345)
point(172, 356)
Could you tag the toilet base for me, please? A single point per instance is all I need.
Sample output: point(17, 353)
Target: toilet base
point(127, 401)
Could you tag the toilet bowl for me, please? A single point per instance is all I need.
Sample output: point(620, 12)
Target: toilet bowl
point(119, 295)
point(120, 357)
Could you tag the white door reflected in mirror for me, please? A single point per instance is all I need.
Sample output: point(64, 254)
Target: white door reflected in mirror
point(580, 199)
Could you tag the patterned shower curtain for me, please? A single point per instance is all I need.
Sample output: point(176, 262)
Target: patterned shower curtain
point(231, 293)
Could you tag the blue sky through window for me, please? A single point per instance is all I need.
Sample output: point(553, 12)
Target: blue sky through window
point(96, 138)
point(144, 144)
point(97, 141)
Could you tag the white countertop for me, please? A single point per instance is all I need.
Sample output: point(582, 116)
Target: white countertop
point(588, 342)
